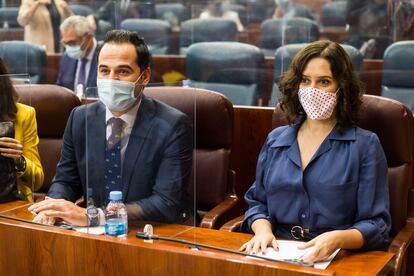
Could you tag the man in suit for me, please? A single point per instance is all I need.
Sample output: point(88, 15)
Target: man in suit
point(155, 144)
point(77, 69)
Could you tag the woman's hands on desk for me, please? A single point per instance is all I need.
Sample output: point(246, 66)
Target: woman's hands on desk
point(262, 239)
point(325, 244)
point(59, 208)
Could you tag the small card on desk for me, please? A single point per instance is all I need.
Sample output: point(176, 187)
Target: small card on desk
point(98, 230)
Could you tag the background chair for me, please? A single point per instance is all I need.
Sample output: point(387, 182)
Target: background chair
point(388, 119)
point(285, 54)
point(278, 32)
point(214, 181)
point(156, 33)
point(203, 30)
point(82, 10)
point(51, 121)
point(24, 58)
point(167, 11)
point(398, 72)
point(8, 17)
point(334, 14)
point(232, 68)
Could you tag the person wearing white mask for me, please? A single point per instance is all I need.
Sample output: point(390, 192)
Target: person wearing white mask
point(77, 67)
point(320, 179)
point(124, 142)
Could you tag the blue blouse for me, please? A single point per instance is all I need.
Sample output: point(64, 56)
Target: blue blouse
point(344, 186)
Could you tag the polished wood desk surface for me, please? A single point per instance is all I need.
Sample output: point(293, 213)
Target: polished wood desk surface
point(47, 245)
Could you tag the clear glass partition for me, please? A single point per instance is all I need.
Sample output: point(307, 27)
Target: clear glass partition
point(153, 168)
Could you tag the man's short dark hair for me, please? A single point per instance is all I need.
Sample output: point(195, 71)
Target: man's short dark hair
point(124, 36)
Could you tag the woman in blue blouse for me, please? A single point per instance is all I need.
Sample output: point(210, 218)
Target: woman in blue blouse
point(320, 179)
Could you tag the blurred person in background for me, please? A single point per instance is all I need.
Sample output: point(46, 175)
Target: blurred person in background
point(216, 10)
point(41, 20)
point(77, 65)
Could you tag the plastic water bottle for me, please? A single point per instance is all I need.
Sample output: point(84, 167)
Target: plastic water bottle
point(116, 218)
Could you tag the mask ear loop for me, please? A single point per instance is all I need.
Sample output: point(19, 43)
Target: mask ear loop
point(143, 86)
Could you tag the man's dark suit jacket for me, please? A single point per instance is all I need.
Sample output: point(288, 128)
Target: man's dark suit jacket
point(67, 72)
point(156, 165)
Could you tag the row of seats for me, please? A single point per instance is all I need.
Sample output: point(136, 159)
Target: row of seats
point(237, 70)
point(274, 32)
point(214, 193)
point(332, 14)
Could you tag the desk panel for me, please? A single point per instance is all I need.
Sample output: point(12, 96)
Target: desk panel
point(29, 249)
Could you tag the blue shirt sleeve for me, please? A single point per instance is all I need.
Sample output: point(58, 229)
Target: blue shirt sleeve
point(373, 218)
point(256, 195)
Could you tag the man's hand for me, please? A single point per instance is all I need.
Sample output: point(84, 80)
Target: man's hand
point(41, 218)
point(60, 208)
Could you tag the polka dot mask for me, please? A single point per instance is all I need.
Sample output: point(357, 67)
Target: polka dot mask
point(317, 103)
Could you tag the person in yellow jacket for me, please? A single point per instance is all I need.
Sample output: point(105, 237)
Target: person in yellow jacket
point(23, 147)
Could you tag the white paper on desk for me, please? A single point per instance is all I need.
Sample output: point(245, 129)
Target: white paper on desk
point(98, 230)
point(289, 250)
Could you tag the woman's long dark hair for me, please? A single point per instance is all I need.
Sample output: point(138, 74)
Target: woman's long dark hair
point(350, 87)
point(8, 95)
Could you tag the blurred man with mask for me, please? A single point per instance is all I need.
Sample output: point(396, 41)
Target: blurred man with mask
point(125, 142)
point(77, 69)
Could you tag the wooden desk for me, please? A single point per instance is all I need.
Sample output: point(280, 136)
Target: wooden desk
point(29, 249)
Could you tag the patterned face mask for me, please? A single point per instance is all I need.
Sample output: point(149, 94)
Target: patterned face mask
point(318, 104)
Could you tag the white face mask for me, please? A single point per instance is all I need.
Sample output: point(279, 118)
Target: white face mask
point(118, 95)
point(318, 104)
point(75, 51)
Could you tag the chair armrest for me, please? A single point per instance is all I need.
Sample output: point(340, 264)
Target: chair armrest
point(233, 225)
point(399, 246)
point(217, 216)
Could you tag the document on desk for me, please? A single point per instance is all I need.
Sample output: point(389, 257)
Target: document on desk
point(288, 250)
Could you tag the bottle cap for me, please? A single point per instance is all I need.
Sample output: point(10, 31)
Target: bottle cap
point(115, 195)
point(90, 192)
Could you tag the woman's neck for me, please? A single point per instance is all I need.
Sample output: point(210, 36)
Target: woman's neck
point(318, 126)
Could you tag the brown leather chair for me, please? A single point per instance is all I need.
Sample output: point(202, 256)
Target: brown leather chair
point(394, 124)
point(53, 105)
point(212, 179)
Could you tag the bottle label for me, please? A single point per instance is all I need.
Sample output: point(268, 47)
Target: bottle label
point(116, 227)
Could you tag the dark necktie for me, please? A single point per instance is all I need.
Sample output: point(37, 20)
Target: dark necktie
point(82, 72)
point(113, 181)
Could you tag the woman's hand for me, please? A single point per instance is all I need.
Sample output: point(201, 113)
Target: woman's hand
point(262, 239)
point(60, 208)
point(323, 246)
point(11, 148)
